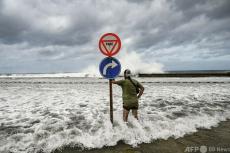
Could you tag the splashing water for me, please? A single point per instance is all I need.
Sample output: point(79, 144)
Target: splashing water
point(46, 114)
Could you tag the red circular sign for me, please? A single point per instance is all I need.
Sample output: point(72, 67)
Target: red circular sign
point(109, 44)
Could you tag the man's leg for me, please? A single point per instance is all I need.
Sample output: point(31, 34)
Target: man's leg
point(134, 112)
point(125, 115)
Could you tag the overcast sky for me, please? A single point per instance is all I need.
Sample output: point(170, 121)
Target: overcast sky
point(40, 36)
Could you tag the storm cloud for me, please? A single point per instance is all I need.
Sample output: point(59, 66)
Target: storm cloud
point(62, 35)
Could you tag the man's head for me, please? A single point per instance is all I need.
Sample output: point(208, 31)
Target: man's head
point(127, 73)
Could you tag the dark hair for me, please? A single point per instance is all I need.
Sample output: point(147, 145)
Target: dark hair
point(125, 74)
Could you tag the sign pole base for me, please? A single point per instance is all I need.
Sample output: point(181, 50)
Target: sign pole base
point(111, 100)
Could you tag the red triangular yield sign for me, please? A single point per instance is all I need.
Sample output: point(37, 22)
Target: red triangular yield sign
point(109, 45)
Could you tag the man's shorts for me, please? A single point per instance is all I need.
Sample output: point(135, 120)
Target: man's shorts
point(128, 108)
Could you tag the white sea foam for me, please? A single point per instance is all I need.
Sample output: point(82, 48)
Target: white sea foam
point(45, 117)
point(51, 75)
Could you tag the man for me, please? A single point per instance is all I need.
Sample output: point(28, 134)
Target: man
point(131, 92)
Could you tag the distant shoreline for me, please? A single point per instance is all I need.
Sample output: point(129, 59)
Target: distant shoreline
point(189, 73)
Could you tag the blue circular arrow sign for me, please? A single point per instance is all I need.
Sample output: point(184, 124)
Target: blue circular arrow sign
point(110, 68)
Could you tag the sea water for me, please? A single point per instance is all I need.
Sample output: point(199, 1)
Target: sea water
point(44, 114)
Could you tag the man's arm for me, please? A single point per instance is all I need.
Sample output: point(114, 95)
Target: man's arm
point(117, 82)
point(113, 81)
point(141, 91)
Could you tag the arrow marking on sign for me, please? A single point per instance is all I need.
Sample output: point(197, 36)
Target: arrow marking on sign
point(112, 65)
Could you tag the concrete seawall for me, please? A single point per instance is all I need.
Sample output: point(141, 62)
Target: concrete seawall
point(187, 74)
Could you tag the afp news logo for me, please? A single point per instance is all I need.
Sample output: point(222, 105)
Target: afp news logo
point(202, 149)
point(205, 149)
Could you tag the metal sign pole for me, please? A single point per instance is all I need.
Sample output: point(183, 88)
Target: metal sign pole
point(111, 100)
point(110, 67)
